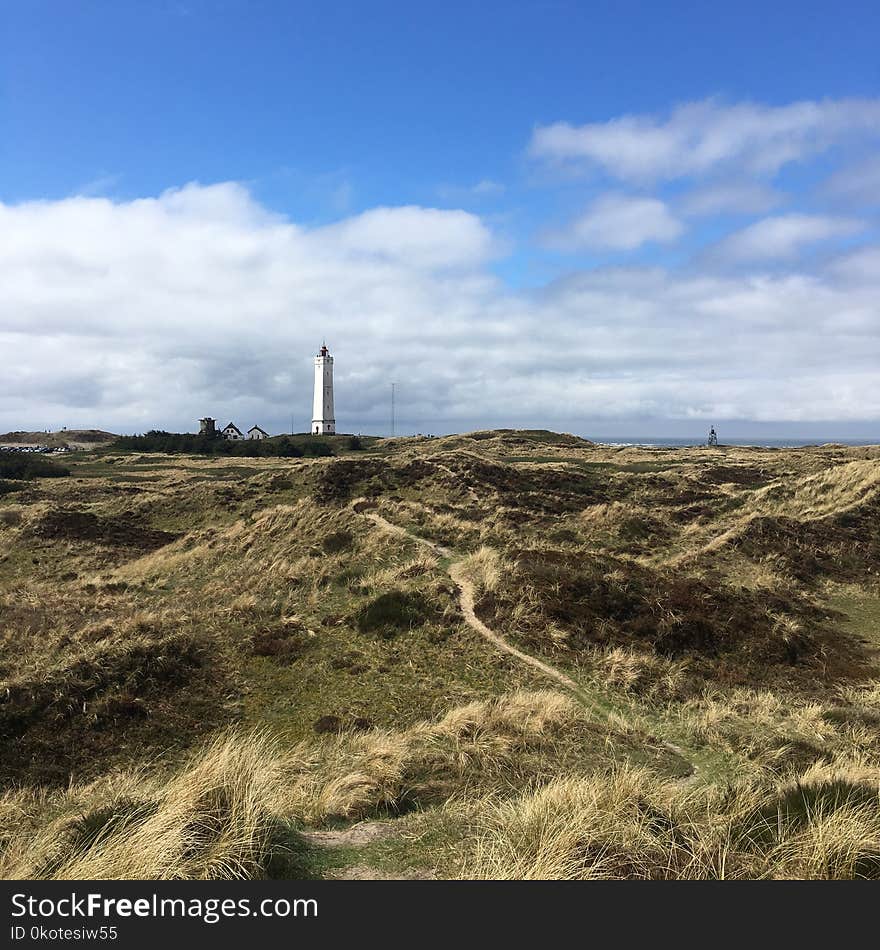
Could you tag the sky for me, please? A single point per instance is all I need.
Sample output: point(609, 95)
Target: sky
point(614, 219)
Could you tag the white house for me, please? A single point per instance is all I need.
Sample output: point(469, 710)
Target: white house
point(255, 432)
point(232, 432)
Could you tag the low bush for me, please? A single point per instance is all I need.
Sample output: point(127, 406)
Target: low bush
point(337, 541)
point(556, 601)
point(393, 612)
point(174, 443)
point(26, 465)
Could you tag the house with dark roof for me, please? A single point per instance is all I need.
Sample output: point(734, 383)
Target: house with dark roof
point(232, 432)
point(255, 432)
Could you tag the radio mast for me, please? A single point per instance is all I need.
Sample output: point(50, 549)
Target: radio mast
point(393, 385)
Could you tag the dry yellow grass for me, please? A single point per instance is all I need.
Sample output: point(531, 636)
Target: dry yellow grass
point(212, 819)
point(628, 824)
point(105, 637)
point(832, 491)
point(223, 811)
point(216, 815)
point(484, 740)
point(483, 568)
point(641, 672)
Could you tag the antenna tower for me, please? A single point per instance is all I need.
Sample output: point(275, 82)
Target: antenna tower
point(393, 385)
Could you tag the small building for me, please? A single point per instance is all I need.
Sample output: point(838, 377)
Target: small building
point(255, 432)
point(232, 432)
point(208, 427)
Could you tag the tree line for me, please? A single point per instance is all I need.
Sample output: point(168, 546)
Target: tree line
point(183, 442)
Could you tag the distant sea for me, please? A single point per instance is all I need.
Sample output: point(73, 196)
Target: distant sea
point(653, 441)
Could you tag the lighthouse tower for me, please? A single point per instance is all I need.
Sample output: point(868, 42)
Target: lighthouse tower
point(323, 420)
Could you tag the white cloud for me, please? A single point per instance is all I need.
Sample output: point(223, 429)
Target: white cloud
point(783, 237)
point(861, 266)
point(152, 313)
point(730, 198)
point(857, 185)
point(423, 237)
point(618, 223)
point(702, 137)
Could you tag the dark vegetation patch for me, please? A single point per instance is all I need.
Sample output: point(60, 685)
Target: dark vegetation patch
point(635, 531)
point(564, 536)
point(735, 475)
point(17, 621)
point(394, 612)
point(121, 531)
point(597, 602)
point(337, 724)
point(174, 443)
point(342, 480)
point(693, 513)
point(354, 663)
point(337, 541)
point(286, 642)
point(327, 724)
point(842, 546)
point(548, 490)
point(21, 465)
point(338, 482)
point(93, 702)
point(686, 496)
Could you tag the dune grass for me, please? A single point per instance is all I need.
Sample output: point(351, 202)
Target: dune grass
point(201, 661)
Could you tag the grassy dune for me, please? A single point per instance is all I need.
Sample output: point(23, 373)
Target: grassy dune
point(224, 667)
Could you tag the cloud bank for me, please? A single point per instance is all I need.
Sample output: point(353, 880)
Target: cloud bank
point(700, 138)
point(153, 312)
point(620, 223)
point(783, 237)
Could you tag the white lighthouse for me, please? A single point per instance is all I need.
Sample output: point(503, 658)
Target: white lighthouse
point(323, 420)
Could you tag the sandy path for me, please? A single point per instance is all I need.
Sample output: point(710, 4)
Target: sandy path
point(466, 601)
point(466, 590)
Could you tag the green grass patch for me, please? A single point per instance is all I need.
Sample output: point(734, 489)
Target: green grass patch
point(860, 613)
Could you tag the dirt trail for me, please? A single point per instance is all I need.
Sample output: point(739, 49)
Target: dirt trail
point(438, 549)
point(466, 601)
point(360, 835)
point(466, 589)
point(363, 833)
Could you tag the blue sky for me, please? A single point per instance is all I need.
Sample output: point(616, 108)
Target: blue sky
point(437, 189)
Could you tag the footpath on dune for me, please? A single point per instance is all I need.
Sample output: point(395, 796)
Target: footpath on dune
point(467, 592)
point(466, 601)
